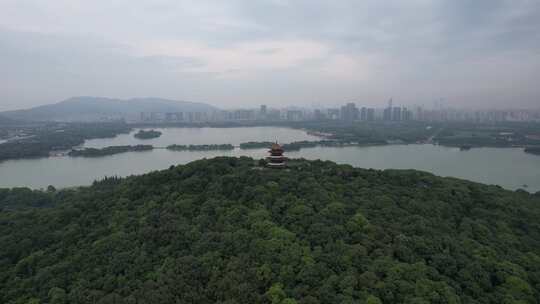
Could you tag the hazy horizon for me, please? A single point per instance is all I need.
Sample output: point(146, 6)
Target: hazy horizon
point(380, 106)
point(470, 54)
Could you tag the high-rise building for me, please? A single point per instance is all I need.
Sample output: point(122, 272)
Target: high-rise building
point(371, 114)
point(387, 113)
point(419, 114)
point(295, 115)
point(333, 114)
point(179, 116)
point(349, 112)
point(396, 114)
point(263, 111)
point(273, 114)
point(318, 115)
point(363, 114)
point(244, 114)
point(406, 114)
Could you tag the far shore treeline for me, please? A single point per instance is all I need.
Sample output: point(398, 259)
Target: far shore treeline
point(32, 140)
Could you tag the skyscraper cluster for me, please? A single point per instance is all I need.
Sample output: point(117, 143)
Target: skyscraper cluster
point(348, 112)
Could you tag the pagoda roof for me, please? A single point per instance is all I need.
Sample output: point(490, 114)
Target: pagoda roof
point(276, 146)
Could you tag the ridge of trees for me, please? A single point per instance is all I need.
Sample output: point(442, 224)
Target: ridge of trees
point(225, 230)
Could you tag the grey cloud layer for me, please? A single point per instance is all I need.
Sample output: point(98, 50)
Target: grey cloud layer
point(242, 53)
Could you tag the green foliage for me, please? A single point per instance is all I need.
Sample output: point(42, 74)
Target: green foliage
point(45, 139)
point(142, 134)
point(458, 134)
point(533, 150)
point(57, 296)
point(111, 150)
point(298, 145)
point(369, 133)
point(373, 300)
point(225, 230)
point(275, 294)
point(502, 134)
point(256, 145)
point(18, 198)
point(213, 147)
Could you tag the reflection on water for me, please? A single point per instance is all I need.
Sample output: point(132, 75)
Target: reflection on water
point(508, 167)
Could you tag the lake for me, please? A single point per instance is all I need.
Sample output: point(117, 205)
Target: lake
point(202, 136)
point(510, 168)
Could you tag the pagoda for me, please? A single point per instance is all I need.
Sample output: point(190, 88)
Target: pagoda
point(276, 158)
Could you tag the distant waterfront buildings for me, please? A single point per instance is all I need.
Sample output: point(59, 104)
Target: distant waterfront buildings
point(349, 112)
point(333, 114)
point(370, 114)
point(318, 115)
point(295, 115)
point(396, 114)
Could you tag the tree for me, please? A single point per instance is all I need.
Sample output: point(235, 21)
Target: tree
point(371, 299)
point(276, 294)
point(57, 296)
point(217, 231)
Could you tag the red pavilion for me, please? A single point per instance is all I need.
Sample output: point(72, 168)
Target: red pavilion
point(276, 158)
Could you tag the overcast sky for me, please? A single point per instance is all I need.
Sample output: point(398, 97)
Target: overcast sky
point(469, 53)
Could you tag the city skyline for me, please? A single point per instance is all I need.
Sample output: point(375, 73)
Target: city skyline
point(436, 104)
point(350, 112)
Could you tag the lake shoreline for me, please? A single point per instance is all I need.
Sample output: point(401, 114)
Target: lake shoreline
point(513, 170)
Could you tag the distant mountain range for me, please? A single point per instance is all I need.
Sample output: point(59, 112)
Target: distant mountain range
point(100, 108)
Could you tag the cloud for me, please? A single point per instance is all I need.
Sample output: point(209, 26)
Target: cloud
point(237, 53)
point(248, 56)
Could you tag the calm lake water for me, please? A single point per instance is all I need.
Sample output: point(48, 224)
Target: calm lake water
point(508, 167)
point(201, 136)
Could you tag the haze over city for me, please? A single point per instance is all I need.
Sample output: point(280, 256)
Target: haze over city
point(483, 54)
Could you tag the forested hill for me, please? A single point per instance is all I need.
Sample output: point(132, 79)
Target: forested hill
point(227, 231)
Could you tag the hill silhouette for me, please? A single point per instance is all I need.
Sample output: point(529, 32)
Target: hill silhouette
point(96, 108)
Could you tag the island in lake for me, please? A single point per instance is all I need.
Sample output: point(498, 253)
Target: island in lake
point(533, 150)
point(298, 145)
point(200, 147)
point(142, 134)
point(255, 145)
point(93, 152)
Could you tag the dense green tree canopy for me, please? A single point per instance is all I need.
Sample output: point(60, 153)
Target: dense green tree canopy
point(111, 150)
point(228, 231)
point(45, 139)
point(143, 134)
point(212, 147)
